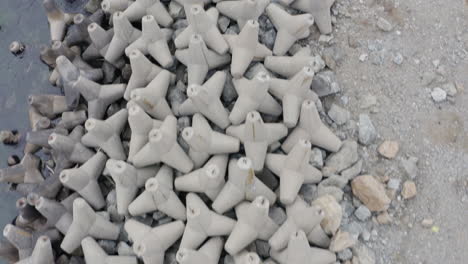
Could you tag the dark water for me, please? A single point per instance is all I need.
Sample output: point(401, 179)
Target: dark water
point(24, 21)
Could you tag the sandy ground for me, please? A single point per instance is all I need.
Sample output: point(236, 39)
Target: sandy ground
point(432, 37)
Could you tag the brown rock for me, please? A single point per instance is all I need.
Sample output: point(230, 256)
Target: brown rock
point(371, 192)
point(389, 149)
point(341, 241)
point(384, 218)
point(333, 213)
point(409, 190)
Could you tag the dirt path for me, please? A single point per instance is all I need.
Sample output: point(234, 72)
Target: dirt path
point(432, 37)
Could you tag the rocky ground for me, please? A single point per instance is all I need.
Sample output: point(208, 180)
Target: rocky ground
point(401, 68)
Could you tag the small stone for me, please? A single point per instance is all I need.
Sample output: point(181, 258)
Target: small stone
point(384, 218)
point(344, 158)
point(333, 213)
point(325, 39)
point(363, 57)
point(334, 191)
point(109, 246)
point(377, 57)
point(450, 89)
point(409, 190)
point(9, 137)
point(234, 30)
point(348, 208)
point(158, 215)
point(370, 192)
point(223, 23)
point(316, 158)
point(367, 132)
point(368, 101)
point(389, 149)
point(438, 95)
point(353, 171)
point(384, 25)
point(308, 192)
point(345, 254)
point(362, 213)
point(13, 160)
point(363, 255)
point(317, 63)
point(398, 59)
point(17, 47)
point(341, 241)
point(263, 248)
point(325, 83)
point(393, 184)
point(365, 235)
point(268, 38)
point(410, 166)
point(177, 96)
point(338, 114)
point(427, 222)
point(277, 214)
point(332, 56)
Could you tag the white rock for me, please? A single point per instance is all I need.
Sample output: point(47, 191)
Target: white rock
point(438, 95)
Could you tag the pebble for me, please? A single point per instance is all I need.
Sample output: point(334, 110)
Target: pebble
point(332, 56)
point(316, 158)
point(410, 166)
point(393, 184)
point(333, 213)
point(384, 24)
point(344, 158)
point(363, 57)
point(450, 89)
point(17, 47)
point(398, 59)
point(341, 241)
point(367, 132)
point(345, 254)
point(377, 57)
point(317, 63)
point(427, 222)
point(263, 248)
point(409, 190)
point(325, 83)
point(353, 171)
point(438, 95)
point(177, 96)
point(109, 246)
point(370, 192)
point(325, 39)
point(268, 38)
point(338, 114)
point(362, 213)
point(389, 149)
point(334, 191)
point(277, 214)
point(223, 23)
point(307, 192)
point(13, 160)
point(8, 137)
point(384, 218)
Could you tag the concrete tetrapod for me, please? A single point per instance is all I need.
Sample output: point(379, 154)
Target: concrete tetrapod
point(245, 257)
point(245, 48)
point(28, 216)
point(311, 128)
point(193, 2)
point(203, 223)
point(242, 185)
point(124, 35)
point(152, 98)
point(209, 253)
point(105, 134)
point(153, 41)
point(301, 216)
point(42, 253)
point(112, 6)
point(100, 39)
point(204, 141)
point(98, 96)
point(290, 28)
point(24, 240)
point(253, 223)
point(143, 72)
point(69, 73)
point(163, 147)
point(242, 10)
point(78, 32)
point(68, 150)
point(199, 59)
point(48, 55)
point(127, 180)
point(27, 171)
point(37, 121)
point(208, 180)
point(140, 125)
point(70, 120)
point(256, 136)
point(49, 105)
point(151, 243)
point(8, 251)
point(56, 213)
point(253, 96)
point(320, 10)
point(84, 180)
point(40, 138)
point(206, 100)
point(57, 19)
point(299, 251)
point(94, 254)
point(288, 66)
point(292, 93)
point(203, 23)
point(159, 195)
point(87, 223)
point(154, 8)
point(293, 170)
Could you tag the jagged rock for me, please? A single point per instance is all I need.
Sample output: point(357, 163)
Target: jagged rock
point(344, 158)
point(371, 192)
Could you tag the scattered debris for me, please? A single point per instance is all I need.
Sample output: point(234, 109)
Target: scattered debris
point(389, 149)
point(409, 190)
